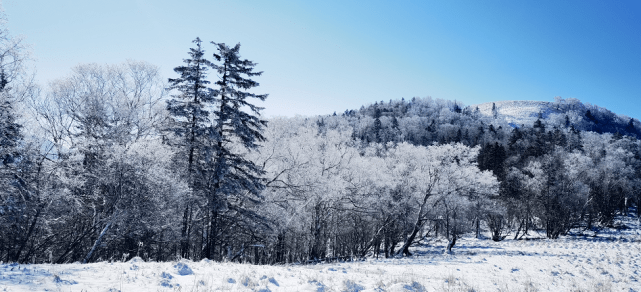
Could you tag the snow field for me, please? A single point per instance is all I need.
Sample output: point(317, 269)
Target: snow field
point(517, 112)
point(608, 262)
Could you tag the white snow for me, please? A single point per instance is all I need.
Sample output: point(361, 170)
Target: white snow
point(609, 261)
point(518, 112)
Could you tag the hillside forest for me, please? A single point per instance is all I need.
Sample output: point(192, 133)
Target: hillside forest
point(115, 161)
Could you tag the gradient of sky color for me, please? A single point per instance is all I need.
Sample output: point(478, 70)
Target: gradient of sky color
point(324, 56)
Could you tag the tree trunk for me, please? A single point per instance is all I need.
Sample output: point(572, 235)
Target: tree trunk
point(417, 226)
point(27, 236)
point(159, 253)
point(95, 244)
point(375, 241)
point(386, 244)
point(184, 244)
point(451, 243)
point(518, 230)
point(405, 248)
point(478, 228)
point(73, 245)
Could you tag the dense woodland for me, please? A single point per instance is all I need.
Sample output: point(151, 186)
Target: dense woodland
point(115, 161)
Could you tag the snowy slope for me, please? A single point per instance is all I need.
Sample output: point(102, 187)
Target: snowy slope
point(518, 113)
point(609, 261)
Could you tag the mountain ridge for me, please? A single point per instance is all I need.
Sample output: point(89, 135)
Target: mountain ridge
point(423, 121)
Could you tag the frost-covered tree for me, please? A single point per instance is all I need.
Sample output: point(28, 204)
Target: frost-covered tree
point(95, 121)
point(612, 178)
point(191, 109)
point(191, 106)
point(233, 181)
point(10, 130)
point(555, 180)
point(237, 123)
point(19, 206)
point(445, 175)
point(304, 187)
point(12, 208)
point(215, 128)
point(13, 56)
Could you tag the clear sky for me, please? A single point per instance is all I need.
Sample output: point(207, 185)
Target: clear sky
point(324, 56)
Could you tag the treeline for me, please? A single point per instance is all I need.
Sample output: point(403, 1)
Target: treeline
point(577, 167)
point(113, 162)
point(424, 121)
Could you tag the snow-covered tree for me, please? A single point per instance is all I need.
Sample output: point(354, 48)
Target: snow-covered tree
point(214, 129)
point(19, 206)
point(92, 121)
point(445, 175)
point(305, 173)
point(232, 183)
point(190, 109)
point(235, 177)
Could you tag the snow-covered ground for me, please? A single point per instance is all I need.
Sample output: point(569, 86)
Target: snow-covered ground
point(517, 112)
point(609, 261)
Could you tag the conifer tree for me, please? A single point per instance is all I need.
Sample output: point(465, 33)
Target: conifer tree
point(190, 111)
point(495, 112)
point(631, 129)
point(235, 181)
point(234, 173)
point(215, 126)
point(13, 201)
point(377, 125)
point(457, 108)
point(9, 130)
point(189, 107)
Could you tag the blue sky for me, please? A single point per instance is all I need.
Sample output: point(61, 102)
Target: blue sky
point(326, 56)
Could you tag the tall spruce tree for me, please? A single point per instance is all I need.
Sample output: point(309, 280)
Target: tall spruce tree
point(13, 205)
point(190, 111)
point(190, 106)
point(9, 130)
point(236, 181)
point(233, 124)
point(378, 127)
point(10, 137)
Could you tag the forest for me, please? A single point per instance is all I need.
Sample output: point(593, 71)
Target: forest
point(115, 161)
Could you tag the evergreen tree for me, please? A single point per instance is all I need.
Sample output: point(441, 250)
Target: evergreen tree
point(560, 139)
point(15, 199)
point(575, 142)
point(10, 137)
point(396, 133)
point(395, 125)
point(9, 133)
point(539, 125)
point(235, 181)
point(514, 137)
point(234, 173)
point(189, 107)
point(214, 127)
point(492, 157)
point(11, 58)
point(457, 108)
point(377, 125)
point(190, 111)
point(631, 129)
point(590, 117)
point(495, 112)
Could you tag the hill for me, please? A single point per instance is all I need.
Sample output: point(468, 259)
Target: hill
point(424, 121)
